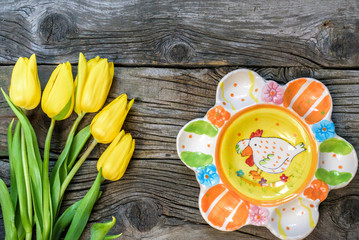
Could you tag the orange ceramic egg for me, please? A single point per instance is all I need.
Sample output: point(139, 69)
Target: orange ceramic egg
point(224, 209)
point(309, 98)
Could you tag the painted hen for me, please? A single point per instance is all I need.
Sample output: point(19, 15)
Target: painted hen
point(269, 154)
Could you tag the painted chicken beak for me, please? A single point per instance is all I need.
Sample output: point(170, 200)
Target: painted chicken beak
point(247, 151)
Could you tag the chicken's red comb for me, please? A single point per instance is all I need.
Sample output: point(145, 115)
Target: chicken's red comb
point(257, 133)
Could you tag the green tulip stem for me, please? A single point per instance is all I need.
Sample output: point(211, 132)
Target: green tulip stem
point(102, 178)
point(46, 183)
point(27, 181)
point(74, 127)
point(76, 167)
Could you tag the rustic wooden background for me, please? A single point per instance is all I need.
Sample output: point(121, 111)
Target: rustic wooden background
point(170, 55)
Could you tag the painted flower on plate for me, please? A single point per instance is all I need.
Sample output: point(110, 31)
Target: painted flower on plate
point(283, 177)
point(323, 130)
point(262, 182)
point(258, 215)
point(317, 190)
point(240, 173)
point(218, 116)
point(208, 176)
point(273, 92)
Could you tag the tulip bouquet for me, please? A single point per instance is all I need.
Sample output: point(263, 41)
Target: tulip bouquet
point(33, 205)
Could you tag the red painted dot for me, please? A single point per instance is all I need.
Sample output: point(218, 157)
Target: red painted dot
point(283, 209)
point(302, 213)
point(256, 90)
point(232, 95)
point(256, 119)
point(295, 135)
point(293, 209)
point(340, 166)
point(208, 145)
point(239, 134)
point(235, 85)
point(277, 124)
point(272, 219)
point(182, 146)
point(322, 162)
point(311, 205)
point(224, 103)
point(206, 176)
point(334, 155)
point(242, 99)
point(190, 136)
point(287, 228)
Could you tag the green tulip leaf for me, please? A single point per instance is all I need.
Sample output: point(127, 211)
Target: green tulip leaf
point(109, 237)
point(196, 159)
point(202, 127)
point(336, 145)
point(333, 177)
point(65, 219)
point(8, 212)
point(78, 143)
point(60, 170)
point(20, 179)
point(83, 211)
point(99, 230)
point(13, 191)
point(65, 110)
point(33, 158)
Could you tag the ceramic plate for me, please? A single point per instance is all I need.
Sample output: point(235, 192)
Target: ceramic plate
point(266, 154)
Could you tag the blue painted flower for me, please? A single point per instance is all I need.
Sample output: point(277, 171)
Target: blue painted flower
point(240, 173)
point(324, 130)
point(208, 176)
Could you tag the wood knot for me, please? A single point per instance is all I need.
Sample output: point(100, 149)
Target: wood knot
point(55, 27)
point(338, 40)
point(344, 44)
point(175, 49)
point(143, 215)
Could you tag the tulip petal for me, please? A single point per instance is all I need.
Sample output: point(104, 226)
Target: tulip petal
point(25, 89)
point(80, 82)
point(126, 161)
point(96, 88)
point(33, 88)
point(105, 155)
point(66, 111)
point(107, 124)
point(57, 97)
point(116, 164)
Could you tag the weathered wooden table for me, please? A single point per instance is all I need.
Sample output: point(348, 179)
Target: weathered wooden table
point(170, 55)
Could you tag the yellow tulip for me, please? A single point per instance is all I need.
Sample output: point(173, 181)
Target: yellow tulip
point(114, 160)
point(25, 89)
point(57, 99)
point(92, 84)
point(108, 123)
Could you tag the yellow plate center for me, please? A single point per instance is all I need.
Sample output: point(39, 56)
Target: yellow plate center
point(266, 154)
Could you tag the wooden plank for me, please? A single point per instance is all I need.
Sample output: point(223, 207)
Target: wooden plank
point(158, 196)
point(184, 33)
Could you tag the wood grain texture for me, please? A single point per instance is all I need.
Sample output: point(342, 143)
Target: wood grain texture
point(158, 196)
point(184, 33)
